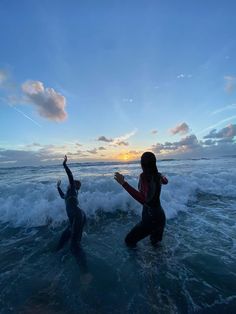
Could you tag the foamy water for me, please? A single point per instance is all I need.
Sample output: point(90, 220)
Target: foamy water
point(194, 270)
point(29, 195)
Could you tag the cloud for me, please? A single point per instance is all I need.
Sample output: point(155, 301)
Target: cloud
point(230, 83)
point(37, 154)
point(226, 108)
point(217, 143)
point(185, 144)
point(227, 132)
point(49, 104)
point(189, 141)
point(78, 154)
point(93, 151)
point(122, 143)
point(217, 124)
point(118, 141)
point(33, 145)
point(125, 137)
point(48, 153)
point(104, 139)
point(209, 142)
point(182, 76)
point(154, 131)
point(182, 129)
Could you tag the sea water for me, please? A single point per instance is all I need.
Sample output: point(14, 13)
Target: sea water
point(193, 270)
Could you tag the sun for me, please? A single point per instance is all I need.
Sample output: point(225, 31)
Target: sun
point(126, 157)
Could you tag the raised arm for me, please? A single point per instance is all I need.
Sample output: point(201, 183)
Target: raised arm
point(137, 195)
point(69, 173)
point(62, 195)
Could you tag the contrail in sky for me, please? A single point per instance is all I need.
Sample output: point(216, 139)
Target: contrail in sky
point(217, 124)
point(25, 115)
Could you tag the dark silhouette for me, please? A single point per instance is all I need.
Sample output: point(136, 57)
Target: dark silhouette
point(153, 217)
point(77, 218)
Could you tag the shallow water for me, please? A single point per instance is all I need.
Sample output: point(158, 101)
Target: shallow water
point(192, 271)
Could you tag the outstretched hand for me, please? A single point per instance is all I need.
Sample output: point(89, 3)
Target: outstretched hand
point(119, 178)
point(58, 183)
point(65, 160)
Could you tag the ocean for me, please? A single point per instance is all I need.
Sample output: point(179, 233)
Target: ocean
point(193, 270)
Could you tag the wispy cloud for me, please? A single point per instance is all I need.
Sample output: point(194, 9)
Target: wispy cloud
point(49, 104)
point(105, 139)
point(226, 108)
point(213, 126)
point(126, 136)
point(122, 143)
point(118, 141)
point(227, 132)
point(93, 151)
point(182, 129)
point(182, 76)
point(230, 83)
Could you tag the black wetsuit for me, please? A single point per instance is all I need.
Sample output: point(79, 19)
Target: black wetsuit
point(153, 216)
point(76, 215)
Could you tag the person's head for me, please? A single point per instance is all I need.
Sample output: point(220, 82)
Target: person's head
point(77, 185)
point(148, 163)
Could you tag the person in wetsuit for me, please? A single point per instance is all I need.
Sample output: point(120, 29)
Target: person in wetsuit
point(75, 214)
point(153, 217)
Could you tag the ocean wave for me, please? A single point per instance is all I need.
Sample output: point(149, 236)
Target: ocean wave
point(36, 202)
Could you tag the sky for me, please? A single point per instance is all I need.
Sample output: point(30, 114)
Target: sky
point(108, 80)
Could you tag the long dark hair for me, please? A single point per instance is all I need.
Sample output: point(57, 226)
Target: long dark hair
point(148, 163)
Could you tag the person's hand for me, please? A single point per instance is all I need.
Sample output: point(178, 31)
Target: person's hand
point(58, 183)
point(65, 160)
point(119, 178)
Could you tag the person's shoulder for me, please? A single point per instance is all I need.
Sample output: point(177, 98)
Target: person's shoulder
point(142, 176)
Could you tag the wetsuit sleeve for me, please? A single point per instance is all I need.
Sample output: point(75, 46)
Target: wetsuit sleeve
point(137, 195)
point(62, 195)
point(164, 179)
point(70, 175)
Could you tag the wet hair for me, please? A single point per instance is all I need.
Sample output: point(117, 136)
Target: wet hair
point(148, 163)
point(77, 184)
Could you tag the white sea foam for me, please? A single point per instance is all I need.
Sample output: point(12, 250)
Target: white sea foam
point(38, 203)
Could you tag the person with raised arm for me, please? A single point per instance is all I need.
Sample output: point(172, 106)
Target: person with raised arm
point(76, 215)
point(149, 189)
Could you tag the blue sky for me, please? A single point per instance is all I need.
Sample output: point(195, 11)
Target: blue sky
point(138, 75)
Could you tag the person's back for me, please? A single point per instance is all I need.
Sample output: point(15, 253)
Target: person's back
point(152, 206)
point(153, 216)
point(71, 201)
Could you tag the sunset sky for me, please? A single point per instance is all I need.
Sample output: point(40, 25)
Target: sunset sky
point(108, 80)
